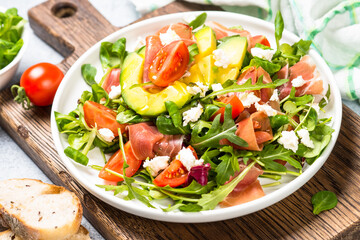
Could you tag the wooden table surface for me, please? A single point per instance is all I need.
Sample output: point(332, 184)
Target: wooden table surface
point(290, 218)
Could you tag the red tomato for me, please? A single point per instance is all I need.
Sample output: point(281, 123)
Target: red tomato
point(174, 175)
point(259, 39)
point(111, 79)
point(116, 163)
point(182, 30)
point(100, 116)
point(169, 64)
point(153, 46)
point(236, 104)
point(40, 82)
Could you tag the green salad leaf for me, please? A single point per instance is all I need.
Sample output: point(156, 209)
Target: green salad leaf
point(198, 21)
point(112, 55)
point(323, 200)
point(88, 72)
point(268, 66)
point(279, 28)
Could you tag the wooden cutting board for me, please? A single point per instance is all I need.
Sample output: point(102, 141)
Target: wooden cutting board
point(290, 218)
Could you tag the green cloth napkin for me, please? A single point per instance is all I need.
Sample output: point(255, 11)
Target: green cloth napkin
point(332, 25)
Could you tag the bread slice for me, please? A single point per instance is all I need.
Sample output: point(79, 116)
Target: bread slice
point(82, 234)
point(36, 210)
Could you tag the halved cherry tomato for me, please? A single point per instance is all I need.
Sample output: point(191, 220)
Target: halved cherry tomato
point(236, 104)
point(260, 39)
point(116, 163)
point(153, 46)
point(184, 31)
point(112, 79)
point(169, 64)
point(100, 116)
point(174, 175)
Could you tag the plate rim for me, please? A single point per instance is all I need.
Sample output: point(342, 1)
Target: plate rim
point(211, 215)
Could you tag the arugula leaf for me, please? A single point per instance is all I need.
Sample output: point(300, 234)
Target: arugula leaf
point(113, 54)
point(278, 120)
point(321, 137)
point(299, 101)
point(88, 72)
point(324, 101)
point(279, 28)
point(116, 189)
point(165, 125)
point(99, 94)
point(217, 132)
point(67, 123)
point(171, 208)
point(273, 152)
point(130, 116)
point(247, 86)
point(308, 119)
point(190, 207)
point(194, 188)
point(11, 29)
point(210, 200)
point(228, 166)
point(323, 200)
point(268, 66)
point(198, 21)
point(209, 110)
point(176, 116)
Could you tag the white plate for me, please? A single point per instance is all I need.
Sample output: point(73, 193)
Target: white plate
point(72, 86)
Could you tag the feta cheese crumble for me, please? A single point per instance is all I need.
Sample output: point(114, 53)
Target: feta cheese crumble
point(115, 92)
point(157, 164)
point(275, 96)
point(216, 87)
point(298, 82)
point(169, 36)
point(199, 88)
point(192, 115)
point(289, 140)
point(188, 159)
point(265, 54)
point(266, 109)
point(106, 134)
point(305, 138)
point(248, 99)
point(221, 60)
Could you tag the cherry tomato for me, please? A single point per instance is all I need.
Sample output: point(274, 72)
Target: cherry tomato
point(100, 116)
point(153, 46)
point(111, 79)
point(174, 175)
point(259, 39)
point(169, 64)
point(116, 163)
point(40, 82)
point(236, 104)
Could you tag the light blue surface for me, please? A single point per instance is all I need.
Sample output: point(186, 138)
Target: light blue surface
point(14, 163)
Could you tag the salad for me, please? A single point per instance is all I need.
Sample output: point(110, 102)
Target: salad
point(11, 28)
point(197, 113)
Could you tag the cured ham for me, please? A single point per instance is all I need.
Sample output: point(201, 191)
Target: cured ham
point(147, 141)
point(222, 31)
point(254, 73)
point(184, 31)
point(169, 145)
point(305, 68)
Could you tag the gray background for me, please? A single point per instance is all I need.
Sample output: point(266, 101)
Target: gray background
point(14, 163)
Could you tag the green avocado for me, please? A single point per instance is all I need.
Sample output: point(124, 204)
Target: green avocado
point(235, 49)
point(206, 41)
point(142, 101)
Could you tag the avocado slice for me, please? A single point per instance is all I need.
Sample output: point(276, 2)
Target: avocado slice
point(142, 101)
point(208, 69)
point(195, 75)
point(227, 73)
point(206, 42)
point(235, 48)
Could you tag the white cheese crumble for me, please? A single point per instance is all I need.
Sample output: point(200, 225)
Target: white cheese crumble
point(115, 92)
point(157, 164)
point(106, 134)
point(169, 36)
point(192, 115)
point(266, 109)
point(298, 81)
point(188, 159)
point(305, 138)
point(289, 140)
point(216, 87)
point(199, 88)
point(221, 60)
point(266, 54)
point(248, 98)
point(275, 96)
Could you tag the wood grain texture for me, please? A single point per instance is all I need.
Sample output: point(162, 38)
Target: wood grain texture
point(290, 218)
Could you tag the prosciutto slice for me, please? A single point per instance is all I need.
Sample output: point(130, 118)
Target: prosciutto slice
point(147, 141)
point(222, 31)
point(305, 68)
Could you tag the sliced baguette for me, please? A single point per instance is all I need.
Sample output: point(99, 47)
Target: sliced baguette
point(82, 234)
point(36, 210)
